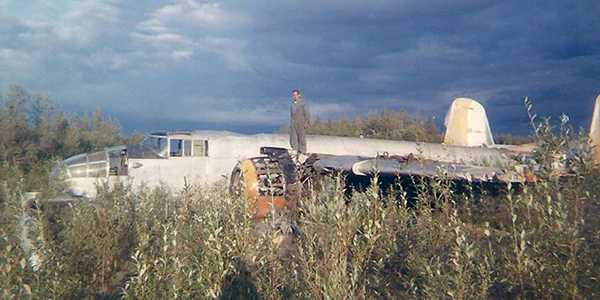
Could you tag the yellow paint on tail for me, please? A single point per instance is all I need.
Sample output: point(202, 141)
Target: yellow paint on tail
point(467, 124)
point(457, 122)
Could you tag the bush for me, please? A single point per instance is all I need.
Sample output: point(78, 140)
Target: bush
point(388, 125)
point(539, 241)
point(34, 133)
point(202, 243)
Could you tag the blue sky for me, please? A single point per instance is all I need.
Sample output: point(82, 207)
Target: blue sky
point(232, 64)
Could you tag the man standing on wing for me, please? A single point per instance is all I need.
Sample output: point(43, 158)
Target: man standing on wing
point(300, 117)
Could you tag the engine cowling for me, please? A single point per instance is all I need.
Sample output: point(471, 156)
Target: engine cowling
point(259, 180)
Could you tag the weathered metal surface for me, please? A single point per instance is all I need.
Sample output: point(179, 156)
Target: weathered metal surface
point(204, 157)
point(435, 169)
point(225, 150)
point(410, 166)
point(263, 184)
point(467, 124)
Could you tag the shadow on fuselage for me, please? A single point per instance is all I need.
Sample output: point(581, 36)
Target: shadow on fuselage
point(408, 190)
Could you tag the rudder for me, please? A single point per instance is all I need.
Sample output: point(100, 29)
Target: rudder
point(467, 124)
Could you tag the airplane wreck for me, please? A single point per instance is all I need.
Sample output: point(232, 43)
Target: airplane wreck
point(262, 168)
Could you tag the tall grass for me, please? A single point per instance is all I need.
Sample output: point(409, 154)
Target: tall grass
point(539, 241)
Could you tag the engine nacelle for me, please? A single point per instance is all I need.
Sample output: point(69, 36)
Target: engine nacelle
point(260, 180)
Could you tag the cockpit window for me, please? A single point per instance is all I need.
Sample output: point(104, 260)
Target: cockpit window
point(200, 147)
point(180, 147)
point(97, 164)
point(156, 144)
point(187, 148)
point(176, 148)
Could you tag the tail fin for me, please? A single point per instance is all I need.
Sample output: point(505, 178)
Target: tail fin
point(467, 124)
point(595, 132)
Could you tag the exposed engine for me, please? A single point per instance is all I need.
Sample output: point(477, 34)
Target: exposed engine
point(272, 179)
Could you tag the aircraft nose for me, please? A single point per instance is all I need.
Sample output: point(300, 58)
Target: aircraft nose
point(59, 172)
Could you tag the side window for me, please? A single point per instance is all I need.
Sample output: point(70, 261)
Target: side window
point(180, 147)
point(187, 148)
point(200, 148)
point(175, 147)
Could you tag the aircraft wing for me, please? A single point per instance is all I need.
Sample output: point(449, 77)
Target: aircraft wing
point(410, 166)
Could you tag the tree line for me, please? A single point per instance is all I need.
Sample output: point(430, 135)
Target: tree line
point(35, 132)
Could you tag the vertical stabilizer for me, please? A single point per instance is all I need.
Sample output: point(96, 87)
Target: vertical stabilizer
point(467, 124)
point(595, 132)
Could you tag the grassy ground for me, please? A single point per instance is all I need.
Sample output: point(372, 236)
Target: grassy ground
point(201, 243)
point(538, 241)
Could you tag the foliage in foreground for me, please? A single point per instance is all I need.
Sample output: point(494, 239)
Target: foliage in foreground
point(541, 242)
point(34, 131)
point(201, 243)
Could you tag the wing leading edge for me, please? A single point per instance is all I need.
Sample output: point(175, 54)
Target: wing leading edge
point(411, 166)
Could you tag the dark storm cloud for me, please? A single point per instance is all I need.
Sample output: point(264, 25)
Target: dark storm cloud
point(420, 56)
point(234, 63)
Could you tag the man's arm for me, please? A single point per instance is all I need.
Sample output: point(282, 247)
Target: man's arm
point(306, 114)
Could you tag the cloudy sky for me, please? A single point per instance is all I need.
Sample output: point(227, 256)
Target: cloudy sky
point(232, 64)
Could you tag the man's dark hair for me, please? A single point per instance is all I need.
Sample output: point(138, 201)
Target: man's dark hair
point(296, 91)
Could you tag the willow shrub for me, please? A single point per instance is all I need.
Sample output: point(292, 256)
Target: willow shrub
point(537, 241)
